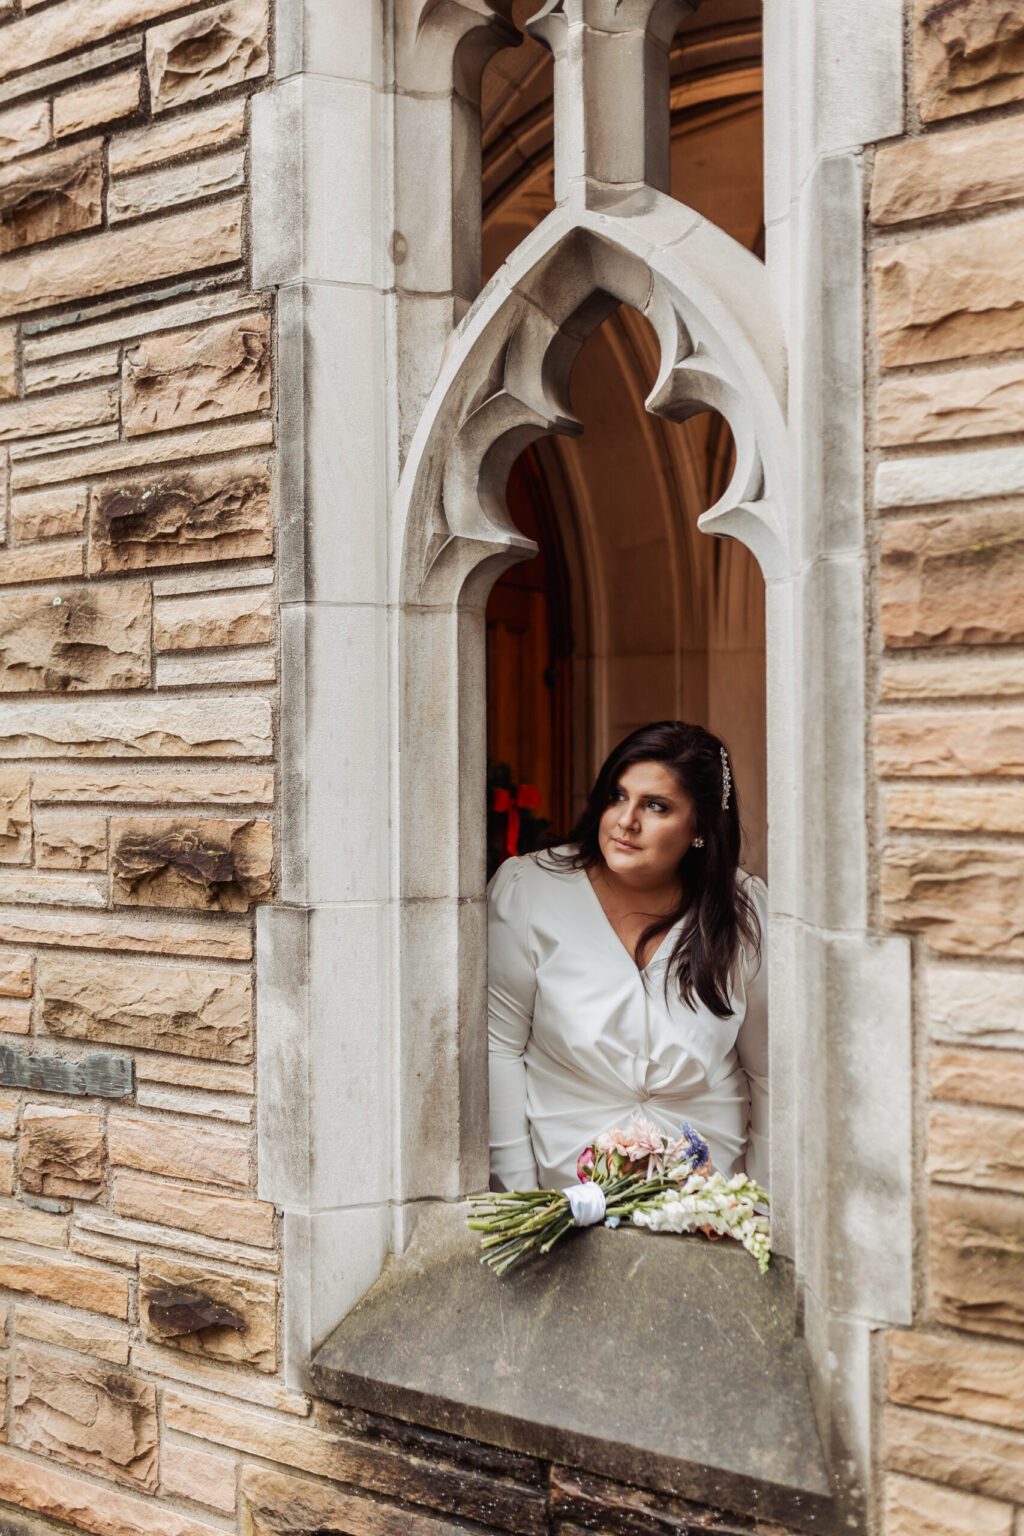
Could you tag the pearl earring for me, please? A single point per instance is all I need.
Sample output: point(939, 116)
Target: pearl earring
point(698, 842)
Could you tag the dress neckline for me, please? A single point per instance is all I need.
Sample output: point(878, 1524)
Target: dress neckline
point(640, 970)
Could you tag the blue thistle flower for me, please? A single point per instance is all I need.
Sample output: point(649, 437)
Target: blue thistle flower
point(697, 1150)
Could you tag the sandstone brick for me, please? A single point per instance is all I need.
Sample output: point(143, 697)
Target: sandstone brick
point(142, 454)
point(70, 840)
point(88, 638)
point(184, 1010)
point(8, 365)
point(179, 242)
point(195, 1210)
point(973, 1457)
point(968, 1378)
point(15, 817)
point(60, 1152)
point(6, 1173)
point(195, 1074)
point(88, 1416)
point(50, 195)
point(100, 101)
point(186, 377)
point(949, 407)
point(188, 671)
point(206, 129)
point(950, 744)
point(173, 1296)
point(204, 53)
point(49, 564)
point(92, 1246)
point(227, 1380)
point(130, 197)
point(210, 865)
point(68, 1332)
point(980, 1077)
point(75, 1500)
point(947, 172)
point(976, 1261)
point(85, 1286)
point(15, 1017)
point(956, 293)
point(966, 57)
point(956, 808)
point(52, 889)
point(15, 975)
point(189, 1473)
point(76, 369)
point(210, 514)
point(74, 24)
point(231, 618)
point(236, 1109)
point(8, 1118)
point(965, 901)
point(179, 1151)
point(23, 129)
point(121, 327)
point(953, 580)
point(49, 514)
point(276, 1502)
point(87, 930)
point(154, 786)
point(914, 1508)
point(982, 1149)
point(221, 727)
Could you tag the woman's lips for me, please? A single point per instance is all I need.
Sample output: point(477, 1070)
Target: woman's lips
point(621, 843)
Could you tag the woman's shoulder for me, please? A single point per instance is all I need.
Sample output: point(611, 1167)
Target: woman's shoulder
point(529, 872)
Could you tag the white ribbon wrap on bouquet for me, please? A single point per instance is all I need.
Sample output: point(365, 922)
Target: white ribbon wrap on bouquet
point(587, 1203)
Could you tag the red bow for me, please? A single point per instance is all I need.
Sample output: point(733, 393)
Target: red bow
point(509, 803)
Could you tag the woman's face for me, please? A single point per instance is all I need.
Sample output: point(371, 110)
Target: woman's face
point(647, 827)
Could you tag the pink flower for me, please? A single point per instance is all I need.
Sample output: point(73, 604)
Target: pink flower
point(585, 1165)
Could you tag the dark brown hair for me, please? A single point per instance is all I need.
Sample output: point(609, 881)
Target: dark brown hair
point(718, 912)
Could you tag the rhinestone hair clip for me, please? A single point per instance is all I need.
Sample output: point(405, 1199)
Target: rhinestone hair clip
point(726, 779)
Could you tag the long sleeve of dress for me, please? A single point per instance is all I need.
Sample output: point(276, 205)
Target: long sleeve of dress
point(511, 991)
point(752, 1045)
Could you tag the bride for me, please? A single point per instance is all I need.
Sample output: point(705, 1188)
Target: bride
point(625, 970)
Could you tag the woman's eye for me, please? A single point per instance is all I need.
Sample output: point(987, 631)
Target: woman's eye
point(656, 805)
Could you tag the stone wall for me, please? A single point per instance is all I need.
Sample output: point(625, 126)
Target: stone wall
point(948, 270)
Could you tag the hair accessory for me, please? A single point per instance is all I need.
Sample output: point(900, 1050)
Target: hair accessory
point(698, 842)
point(726, 779)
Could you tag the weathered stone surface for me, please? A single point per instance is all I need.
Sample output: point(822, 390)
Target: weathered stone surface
point(49, 514)
point(70, 840)
point(969, 1456)
point(75, 1500)
point(179, 1151)
point(195, 1210)
point(965, 901)
point(947, 172)
point(52, 889)
point(950, 744)
point(86, 638)
point(141, 454)
point(179, 242)
point(105, 1249)
point(6, 1172)
point(76, 369)
point(130, 197)
point(967, 56)
point(953, 580)
point(15, 1017)
point(60, 1152)
point(23, 129)
point(221, 727)
point(957, 293)
point(51, 195)
point(8, 379)
point(190, 671)
point(956, 808)
point(211, 514)
point(231, 618)
point(252, 1299)
point(982, 1149)
point(49, 564)
point(976, 1261)
point(83, 930)
point(61, 28)
point(85, 1286)
point(966, 1378)
point(15, 817)
point(219, 1105)
point(980, 1077)
point(196, 1074)
point(99, 1075)
point(68, 1332)
point(15, 975)
point(204, 53)
point(218, 866)
point(219, 124)
point(100, 101)
point(192, 376)
point(185, 1010)
point(119, 326)
point(88, 1416)
point(154, 786)
point(8, 1122)
point(914, 1508)
point(20, 1224)
point(189, 1473)
point(276, 1503)
point(947, 407)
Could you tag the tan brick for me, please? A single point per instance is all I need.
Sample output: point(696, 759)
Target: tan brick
point(60, 1152)
point(184, 1010)
point(914, 1508)
point(23, 129)
point(206, 129)
point(976, 1261)
point(15, 817)
point(204, 53)
point(91, 1245)
point(222, 727)
point(84, 1286)
point(8, 1117)
point(275, 1502)
point(966, 57)
point(195, 1210)
point(75, 1500)
point(951, 743)
point(50, 564)
point(234, 1109)
point(212, 865)
point(956, 293)
point(70, 840)
point(948, 172)
point(92, 930)
point(191, 671)
point(953, 580)
point(141, 455)
point(76, 369)
point(49, 195)
point(979, 1077)
point(6, 1173)
point(967, 1378)
point(229, 618)
point(195, 1074)
point(131, 197)
point(72, 25)
point(15, 974)
point(155, 786)
point(52, 889)
point(949, 407)
point(179, 1151)
point(976, 1458)
point(49, 514)
point(186, 1472)
point(187, 516)
point(100, 101)
point(8, 382)
point(88, 1416)
point(965, 901)
point(186, 377)
point(68, 1332)
point(88, 638)
point(227, 1380)
point(982, 1149)
point(956, 807)
point(179, 242)
point(62, 342)
point(249, 1339)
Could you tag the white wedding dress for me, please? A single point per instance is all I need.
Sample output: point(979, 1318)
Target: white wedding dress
point(580, 1038)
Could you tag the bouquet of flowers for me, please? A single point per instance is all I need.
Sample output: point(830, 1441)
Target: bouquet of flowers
point(640, 1175)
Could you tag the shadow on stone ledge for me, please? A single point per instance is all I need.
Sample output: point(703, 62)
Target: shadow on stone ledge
point(660, 1361)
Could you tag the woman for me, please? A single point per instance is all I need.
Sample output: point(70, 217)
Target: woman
point(625, 970)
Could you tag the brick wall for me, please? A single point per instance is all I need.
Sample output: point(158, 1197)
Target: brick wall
point(947, 224)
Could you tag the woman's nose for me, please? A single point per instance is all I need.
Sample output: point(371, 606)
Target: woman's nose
point(628, 815)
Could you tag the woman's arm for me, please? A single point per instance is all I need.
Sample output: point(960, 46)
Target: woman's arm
point(511, 990)
point(752, 1044)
